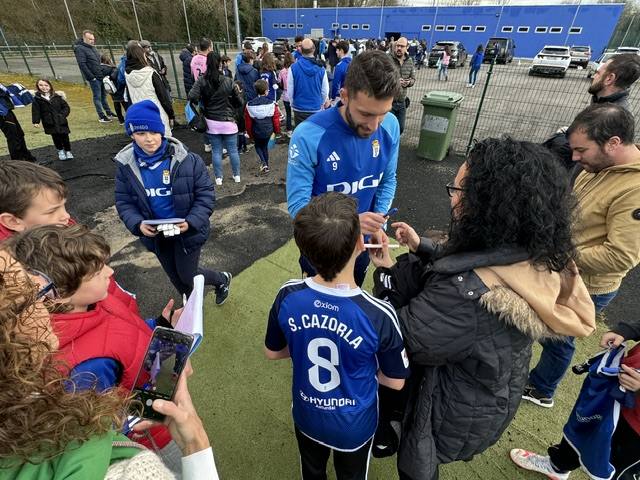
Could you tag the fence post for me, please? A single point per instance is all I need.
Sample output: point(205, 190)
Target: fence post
point(5, 60)
point(484, 92)
point(25, 60)
point(175, 72)
point(46, 54)
point(113, 59)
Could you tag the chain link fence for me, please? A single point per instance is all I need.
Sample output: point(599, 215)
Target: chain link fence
point(517, 104)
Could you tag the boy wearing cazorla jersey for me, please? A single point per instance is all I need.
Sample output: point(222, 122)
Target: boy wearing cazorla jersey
point(342, 342)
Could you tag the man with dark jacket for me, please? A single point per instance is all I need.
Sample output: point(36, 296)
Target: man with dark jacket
point(611, 82)
point(89, 62)
point(157, 63)
point(407, 78)
point(11, 128)
point(247, 75)
point(185, 57)
point(307, 84)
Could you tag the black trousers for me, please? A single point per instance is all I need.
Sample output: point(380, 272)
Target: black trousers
point(119, 107)
point(181, 267)
point(262, 149)
point(348, 465)
point(300, 117)
point(61, 141)
point(625, 453)
point(15, 138)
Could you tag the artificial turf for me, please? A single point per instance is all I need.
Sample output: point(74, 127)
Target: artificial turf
point(245, 400)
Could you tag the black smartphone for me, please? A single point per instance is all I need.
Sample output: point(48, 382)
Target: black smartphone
point(163, 363)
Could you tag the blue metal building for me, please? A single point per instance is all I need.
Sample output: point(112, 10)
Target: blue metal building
point(531, 27)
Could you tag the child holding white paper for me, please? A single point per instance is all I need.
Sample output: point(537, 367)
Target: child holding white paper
point(102, 340)
point(158, 178)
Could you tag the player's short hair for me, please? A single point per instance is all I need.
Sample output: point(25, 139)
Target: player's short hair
point(204, 44)
point(374, 73)
point(67, 255)
point(261, 86)
point(247, 46)
point(326, 231)
point(626, 68)
point(21, 182)
point(343, 45)
point(603, 121)
point(298, 38)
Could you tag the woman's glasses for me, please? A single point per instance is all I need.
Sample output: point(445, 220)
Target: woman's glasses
point(451, 189)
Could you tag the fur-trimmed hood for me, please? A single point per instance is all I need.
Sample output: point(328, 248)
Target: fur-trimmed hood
point(539, 303)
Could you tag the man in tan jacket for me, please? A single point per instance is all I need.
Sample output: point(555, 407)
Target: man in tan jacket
point(607, 233)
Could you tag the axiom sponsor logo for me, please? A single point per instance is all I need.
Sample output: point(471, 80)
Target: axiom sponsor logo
point(326, 305)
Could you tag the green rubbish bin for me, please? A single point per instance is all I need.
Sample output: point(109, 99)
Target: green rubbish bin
point(438, 122)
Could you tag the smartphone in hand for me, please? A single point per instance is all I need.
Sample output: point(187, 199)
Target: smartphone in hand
point(163, 363)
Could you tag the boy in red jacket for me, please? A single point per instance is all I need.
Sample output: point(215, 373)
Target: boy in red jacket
point(625, 442)
point(102, 339)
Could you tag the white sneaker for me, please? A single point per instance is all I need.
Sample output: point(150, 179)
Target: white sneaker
point(236, 178)
point(218, 180)
point(62, 155)
point(473, 86)
point(207, 147)
point(536, 463)
point(69, 155)
point(469, 85)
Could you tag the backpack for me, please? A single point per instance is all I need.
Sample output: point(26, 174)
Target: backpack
point(109, 86)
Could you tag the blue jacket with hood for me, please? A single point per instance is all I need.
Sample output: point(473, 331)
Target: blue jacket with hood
point(307, 81)
point(247, 74)
point(192, 192)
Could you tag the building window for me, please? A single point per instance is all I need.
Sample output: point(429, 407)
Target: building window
point(541, 29)
point(292, 25)
point(555, 30)
point(335, 26)
point(523, 29)
point(481, 28)
point(276, 25)
point(345, 26)
point(507, 29)
point(451, 28)
point(439, 28)
point(355, 26)
point(575, 30)
point(465, 28)
point(426, 28)
point(300, 26)
point(365, 26)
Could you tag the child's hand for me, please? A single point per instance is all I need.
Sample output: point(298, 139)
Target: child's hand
point(37, 125)
point(172, 316)
point(148, 230)
point(184, 226)
point(630, 379)
point(611, 337)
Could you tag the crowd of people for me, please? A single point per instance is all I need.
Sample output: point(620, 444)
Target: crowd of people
point(431, 366)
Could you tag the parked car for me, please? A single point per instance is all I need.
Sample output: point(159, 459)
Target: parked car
point(593, 66)
point(552, 60)
point(256, 42)
point(580, 55)
point(280, 46)
point(457, 50)
point(635, 50)
point(501, 48)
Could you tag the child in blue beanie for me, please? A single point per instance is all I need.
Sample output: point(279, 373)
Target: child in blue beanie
point(159, 179)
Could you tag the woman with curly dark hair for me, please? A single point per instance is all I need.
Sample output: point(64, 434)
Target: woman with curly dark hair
point(471, 307)
point(49, 429)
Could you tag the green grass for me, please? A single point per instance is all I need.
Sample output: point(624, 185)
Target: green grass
point(83, 120)
point(245, 400)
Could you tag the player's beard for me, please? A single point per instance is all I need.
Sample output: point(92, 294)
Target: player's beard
point(595, 88)
point(354, 126)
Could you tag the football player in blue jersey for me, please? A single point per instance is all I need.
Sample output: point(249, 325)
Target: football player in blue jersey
point(342, 342)
point(352, 149)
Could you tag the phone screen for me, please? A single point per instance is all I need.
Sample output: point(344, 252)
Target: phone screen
point(163, 363)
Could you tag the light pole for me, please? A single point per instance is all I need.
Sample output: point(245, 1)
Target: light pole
point(237, 15)
point(226, 19)
point(186, 20)
point(380, 27)
point(627, 32)
point(70, 19)
point(135, 13)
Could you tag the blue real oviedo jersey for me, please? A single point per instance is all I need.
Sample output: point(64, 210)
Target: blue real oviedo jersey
point(337, 340)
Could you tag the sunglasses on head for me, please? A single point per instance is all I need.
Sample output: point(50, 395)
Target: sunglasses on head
point(49, 289)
